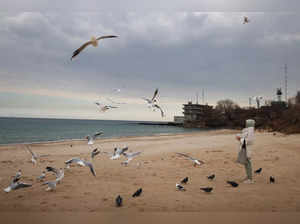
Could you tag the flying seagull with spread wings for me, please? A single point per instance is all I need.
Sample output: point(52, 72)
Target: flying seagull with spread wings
point(130, 157)
point(93, 41)
point(92, 138)
point(153, 100)
point(104, 108)
point(81, 163)
point(118, 152)
point(196, 161)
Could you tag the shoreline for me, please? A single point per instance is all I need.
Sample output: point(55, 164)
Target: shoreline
point(111, 137)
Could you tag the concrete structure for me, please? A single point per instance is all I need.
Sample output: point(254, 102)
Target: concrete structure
point(196, 115)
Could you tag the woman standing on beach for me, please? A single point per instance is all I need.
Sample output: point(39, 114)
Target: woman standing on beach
point(244, 157)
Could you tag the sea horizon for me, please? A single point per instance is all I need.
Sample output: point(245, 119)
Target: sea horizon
point(16, 130)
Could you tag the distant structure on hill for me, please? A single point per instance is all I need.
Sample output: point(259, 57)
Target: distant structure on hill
point(205, 116)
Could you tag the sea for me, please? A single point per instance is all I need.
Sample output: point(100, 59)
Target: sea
point(34, 130)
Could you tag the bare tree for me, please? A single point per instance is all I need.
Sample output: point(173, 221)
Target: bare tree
point(226, 105)
point(297, 98)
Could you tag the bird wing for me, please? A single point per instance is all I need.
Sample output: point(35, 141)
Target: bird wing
point(124, 150)
point(52, 169)
point(97, 134)
point(132, 155)
point(73, 160)
point(91, 167)
point(22, 185)
point(108, 36)
point(32, 153)
point(76, 52)
point(184, 155)
point(155, 94)
point(161, 111)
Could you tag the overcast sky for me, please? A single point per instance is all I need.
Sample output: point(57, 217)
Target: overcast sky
point(179, 52)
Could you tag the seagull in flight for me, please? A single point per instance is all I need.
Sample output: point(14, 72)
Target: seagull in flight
point(118, 152)
point(94, 41)
point(81, 163)
point(130, 157)
point(59, 173)
point(104, 108)
point(34, 156)
point(92, 138)
point(246, 20)
point(153, 100)
point(196, 161)
point(16, 185)
point(95, 152)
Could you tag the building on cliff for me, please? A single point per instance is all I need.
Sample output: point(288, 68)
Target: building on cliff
point(196, 115)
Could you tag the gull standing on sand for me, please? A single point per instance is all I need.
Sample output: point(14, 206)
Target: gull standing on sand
point(118, 152)
point(196, 161)
point(130, 157)
point(94, 41)
point(81, 163)
point(51, 185)
point(92, 138)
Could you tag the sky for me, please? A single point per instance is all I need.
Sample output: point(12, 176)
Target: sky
point(181, 51)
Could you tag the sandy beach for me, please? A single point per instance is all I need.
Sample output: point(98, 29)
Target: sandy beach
point(157, 170)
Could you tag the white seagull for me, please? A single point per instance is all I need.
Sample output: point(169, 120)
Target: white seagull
point(15, 184)
point(58, 173)
point(34, 156)
point(118, 152)
point(93, 41)
point(92, 138)
point(130, 157)
point(81, 163)
point(104, 108)
point(153, 100)
point(196, 161)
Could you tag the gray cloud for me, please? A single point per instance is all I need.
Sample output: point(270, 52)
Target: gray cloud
point(179, 52)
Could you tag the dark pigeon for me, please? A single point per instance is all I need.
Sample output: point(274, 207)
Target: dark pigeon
point(233, 184)
point(211, 177)
point(137, 193)
point(206, 189)
point(258, 171)
point(185, 180)
point(119, 201)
